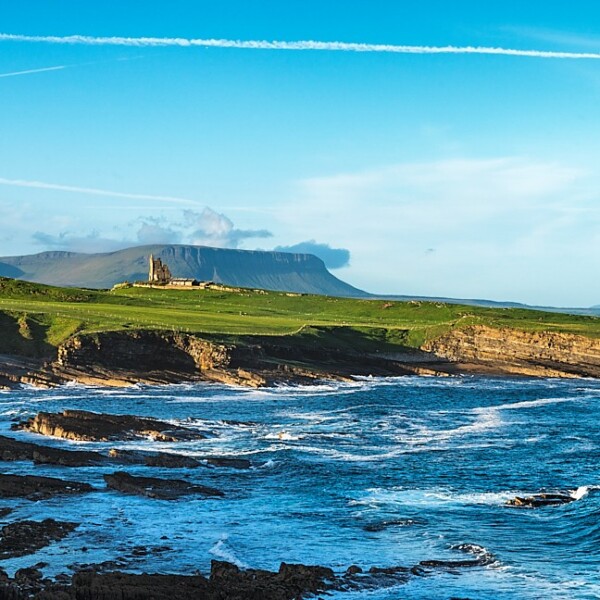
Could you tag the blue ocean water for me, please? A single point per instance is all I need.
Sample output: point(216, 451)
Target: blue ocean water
point(381, 472)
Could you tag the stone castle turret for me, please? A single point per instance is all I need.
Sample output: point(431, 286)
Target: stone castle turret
point(159, 272)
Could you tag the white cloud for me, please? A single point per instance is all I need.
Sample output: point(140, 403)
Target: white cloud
point(434, 198)
point(93, 191)
point(207, 228)
point(502, 228)
point(214, 229)
point(153, 231)
point(66, 241)
point(283, 45)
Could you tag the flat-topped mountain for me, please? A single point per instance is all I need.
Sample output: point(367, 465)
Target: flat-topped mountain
point(302, 273)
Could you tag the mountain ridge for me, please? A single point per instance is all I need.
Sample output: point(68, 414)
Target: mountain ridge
point(280, 271)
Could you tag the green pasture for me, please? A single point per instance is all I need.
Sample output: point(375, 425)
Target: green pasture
point(35, 316)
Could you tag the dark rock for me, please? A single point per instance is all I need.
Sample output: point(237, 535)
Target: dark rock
point(166, 460)
point(107, 566)
point(89, 585)
point(33, 487)
point(11, 450)
point(388, 570)
point(28, 574)
point(154, 487)
point(450, 564)
point(4, 512)
point(538, 500)
point(26, 537)
point(95, 427)
point(226, 582)
point(291, 581)
point(307, 578)
point(220, 569)
point(481, 558)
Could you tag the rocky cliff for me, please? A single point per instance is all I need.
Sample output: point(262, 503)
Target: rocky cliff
point(520, 352)
point(128, 357)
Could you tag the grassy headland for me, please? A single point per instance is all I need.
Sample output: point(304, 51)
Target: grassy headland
point(34, 318)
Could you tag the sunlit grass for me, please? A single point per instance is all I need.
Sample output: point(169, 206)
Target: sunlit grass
point(61, 312)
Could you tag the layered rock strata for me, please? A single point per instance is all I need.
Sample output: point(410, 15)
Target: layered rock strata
point(88, 426)
point(512, 351)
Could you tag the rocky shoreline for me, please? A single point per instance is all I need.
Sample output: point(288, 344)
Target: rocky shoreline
point(154, 357)
point(226, 581)
point(107, 581)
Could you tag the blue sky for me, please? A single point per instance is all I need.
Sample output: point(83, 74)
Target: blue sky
point(464, 175)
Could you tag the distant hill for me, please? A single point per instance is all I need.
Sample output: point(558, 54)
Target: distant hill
point(301, 273)
point(592, 311)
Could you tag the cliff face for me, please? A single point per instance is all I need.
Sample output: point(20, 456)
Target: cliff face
point(520, 352)
point(301, 273)
point(122, 358)
point(129, 357)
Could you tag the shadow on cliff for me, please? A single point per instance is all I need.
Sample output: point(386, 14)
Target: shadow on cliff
point(24, 336)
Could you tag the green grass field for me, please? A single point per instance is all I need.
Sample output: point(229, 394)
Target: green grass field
point(37, 318)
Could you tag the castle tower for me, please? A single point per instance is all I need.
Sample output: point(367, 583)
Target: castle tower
point(158, 272)
point(151, 273)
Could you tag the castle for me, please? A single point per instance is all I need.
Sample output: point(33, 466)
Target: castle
point(160, 274)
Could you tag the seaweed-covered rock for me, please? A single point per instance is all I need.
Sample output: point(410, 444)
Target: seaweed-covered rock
point(12, 450)
point(34, 487)
point(155, 487)
point(26, 537)
point(167, 460)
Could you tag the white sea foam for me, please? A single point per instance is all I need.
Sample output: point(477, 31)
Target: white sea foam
point(537, 403)
point(583, 490)
point(378, 497)
point(222, 550)
point(284, 436)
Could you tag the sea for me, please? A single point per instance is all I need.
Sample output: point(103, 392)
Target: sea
point(380, 472)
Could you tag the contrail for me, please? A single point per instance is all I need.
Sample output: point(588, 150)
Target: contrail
point(281, 45)
point(15, 73)
point(93, 191)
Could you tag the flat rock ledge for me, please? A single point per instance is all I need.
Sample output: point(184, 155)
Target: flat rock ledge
point(155, 487)
point(26, 537)
point(35, 487)
point(15, 450)
point(87, 426)
point(165, 460)
point(172, 460)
